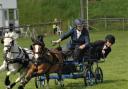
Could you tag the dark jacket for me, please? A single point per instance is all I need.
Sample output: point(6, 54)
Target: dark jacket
point(83, 39)
point(96, 49)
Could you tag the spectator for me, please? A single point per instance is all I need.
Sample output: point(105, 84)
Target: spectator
point(55, 26)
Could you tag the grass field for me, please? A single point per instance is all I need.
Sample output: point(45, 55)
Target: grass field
point(114, 69)
point(38, 11)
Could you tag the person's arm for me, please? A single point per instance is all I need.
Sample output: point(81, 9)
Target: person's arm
point(107, 51)
point(66, 35)
point(63, 37)
point(87, 41)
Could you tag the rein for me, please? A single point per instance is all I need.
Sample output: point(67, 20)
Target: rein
point(9, 60)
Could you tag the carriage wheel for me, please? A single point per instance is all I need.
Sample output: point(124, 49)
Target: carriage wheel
point(98, 75)
point(39, 83)
point(88, 77)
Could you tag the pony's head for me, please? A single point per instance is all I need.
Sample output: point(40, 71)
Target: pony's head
point(8, 40)
point(38, 47)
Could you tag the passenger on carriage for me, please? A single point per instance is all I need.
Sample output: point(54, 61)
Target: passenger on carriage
point(79, 39)
point(101, 48)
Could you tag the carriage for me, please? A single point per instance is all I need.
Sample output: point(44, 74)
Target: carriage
point(50, 59)
point(88, 69)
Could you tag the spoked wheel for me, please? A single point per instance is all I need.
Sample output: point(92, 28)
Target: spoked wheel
point(88, 77)
point(39, 82)
point(98, 75)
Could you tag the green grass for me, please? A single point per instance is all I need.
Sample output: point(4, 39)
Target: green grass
point(37, 11)
point(114, 69)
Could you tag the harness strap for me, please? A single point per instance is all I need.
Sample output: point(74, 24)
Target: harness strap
point(19, 52)
point(14, 58)
point(45, 58)
point(18, 59)
point(26, 55)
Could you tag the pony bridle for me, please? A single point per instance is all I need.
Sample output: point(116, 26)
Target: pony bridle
point(10, 45)
point(37, 51)
point(9, 50)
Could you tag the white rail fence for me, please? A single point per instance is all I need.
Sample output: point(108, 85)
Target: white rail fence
point(95, 24)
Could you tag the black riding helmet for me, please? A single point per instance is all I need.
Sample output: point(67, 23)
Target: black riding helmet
point(110, 38)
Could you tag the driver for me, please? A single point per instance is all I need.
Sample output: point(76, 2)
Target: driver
point(79, 39)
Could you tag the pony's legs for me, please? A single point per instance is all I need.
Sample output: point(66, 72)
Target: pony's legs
point(19, 79)
point(22, 84)
point(28, 76)
point(30, 71)
point(38, 70)
point(7, 81)
point(11, 70)
point(42, 69)
point(3, 66)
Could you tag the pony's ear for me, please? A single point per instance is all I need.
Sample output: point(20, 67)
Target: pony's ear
point(2, 41)
point(31, 47)
point(32, 39)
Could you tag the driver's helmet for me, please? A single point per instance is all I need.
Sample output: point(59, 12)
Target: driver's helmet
point(78, 22)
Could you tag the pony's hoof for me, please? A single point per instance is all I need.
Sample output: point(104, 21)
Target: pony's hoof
point(7, 81)
point(12, 85)
point(20, 87)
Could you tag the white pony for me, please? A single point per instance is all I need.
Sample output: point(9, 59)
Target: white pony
point(16, 59)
